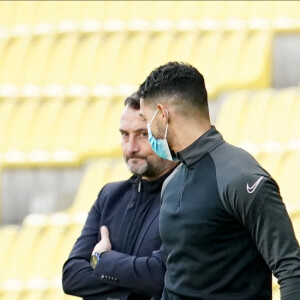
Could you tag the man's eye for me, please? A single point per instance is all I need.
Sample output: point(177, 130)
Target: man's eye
point(144, 134)
point(124, 134)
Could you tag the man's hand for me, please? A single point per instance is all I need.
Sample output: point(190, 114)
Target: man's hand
point(104, 244)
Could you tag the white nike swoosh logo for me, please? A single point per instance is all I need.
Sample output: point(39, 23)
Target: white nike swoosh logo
point(251, 189)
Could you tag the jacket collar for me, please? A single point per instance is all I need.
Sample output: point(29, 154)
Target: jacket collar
point(203, 145)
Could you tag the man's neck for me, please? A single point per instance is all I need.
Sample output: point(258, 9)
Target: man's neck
point(187, 132)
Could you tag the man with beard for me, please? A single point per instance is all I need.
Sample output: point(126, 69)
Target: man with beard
point(222, 221)
point(119, 253)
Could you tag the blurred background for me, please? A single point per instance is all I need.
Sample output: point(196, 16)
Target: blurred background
point(66, 68)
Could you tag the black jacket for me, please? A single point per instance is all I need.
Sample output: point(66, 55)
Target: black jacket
point(225, 227)
point(136, 275)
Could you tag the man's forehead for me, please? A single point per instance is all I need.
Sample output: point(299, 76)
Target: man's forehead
point(131, 120)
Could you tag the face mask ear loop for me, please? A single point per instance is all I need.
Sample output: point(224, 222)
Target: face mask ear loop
point(167, 125)
point(153, 117)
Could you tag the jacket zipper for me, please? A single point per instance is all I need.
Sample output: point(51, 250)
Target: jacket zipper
point(139, 186)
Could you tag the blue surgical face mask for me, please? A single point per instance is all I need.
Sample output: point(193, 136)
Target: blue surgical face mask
point(159, 146)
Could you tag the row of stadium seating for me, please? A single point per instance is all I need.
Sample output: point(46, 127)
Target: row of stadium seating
point(36, 12)
point(55, 131)
point(46, 240)
point(102, 62)
point(262, 120)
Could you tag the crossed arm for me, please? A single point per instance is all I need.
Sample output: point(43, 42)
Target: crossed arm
point(141, 275)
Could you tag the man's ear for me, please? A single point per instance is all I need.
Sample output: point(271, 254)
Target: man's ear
point(164, 111)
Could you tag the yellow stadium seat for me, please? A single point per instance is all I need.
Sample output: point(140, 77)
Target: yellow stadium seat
point(23, 12)
point(59, 62)
point(228, 57)
point(111, 145)
point(56, 294)
point(199, 10)
point(27, 241)
point(289, 182)
point(187, 9)
point(95, 176)
point(296, 224)
point(281, 108)
point(139, 10)
point(236, 10)
point(92, 132)
point(286, 9)
point(255, 119)
point(43, 131)
point(293, 132)
point(33, 294)
point(65, 138)
point(231, 116)
point(94, 10)
point(3, 46)
point(152, 10)
point(204, 54)
point(13, 59)
point(254, 71)
point(272, 162)
point(99, 132)
point(156, 53)
point(64, 248)
point(11, 294)
point(48, 242)
point(82, 68)
point(8, 234)
point(117, 10)
point(262, 10)
point(19, 130)
point(130, 58)
point(6, 12)
point(105, 63)
point(182, 46)
point(7, 107)
point(46, 12)
point(37, 58)
point(69, 11)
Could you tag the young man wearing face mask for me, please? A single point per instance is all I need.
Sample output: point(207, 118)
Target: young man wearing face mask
point(121, 233)
point(222, 221)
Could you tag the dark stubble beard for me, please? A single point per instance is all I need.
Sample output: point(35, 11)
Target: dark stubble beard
point(149, 168)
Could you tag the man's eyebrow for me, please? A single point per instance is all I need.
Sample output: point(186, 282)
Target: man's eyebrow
point(135, 131)
point(140, 130)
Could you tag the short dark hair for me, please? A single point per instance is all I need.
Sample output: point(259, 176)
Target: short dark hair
point(133, 101)
point(179, 80)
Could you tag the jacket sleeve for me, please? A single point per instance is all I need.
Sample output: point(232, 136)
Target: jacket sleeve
point(267, 220)
point(78, 276)
point(143, 275)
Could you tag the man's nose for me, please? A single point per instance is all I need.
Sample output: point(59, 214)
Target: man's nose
point(133, 146)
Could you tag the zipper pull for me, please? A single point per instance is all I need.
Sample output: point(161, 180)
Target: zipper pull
point(140, 185)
